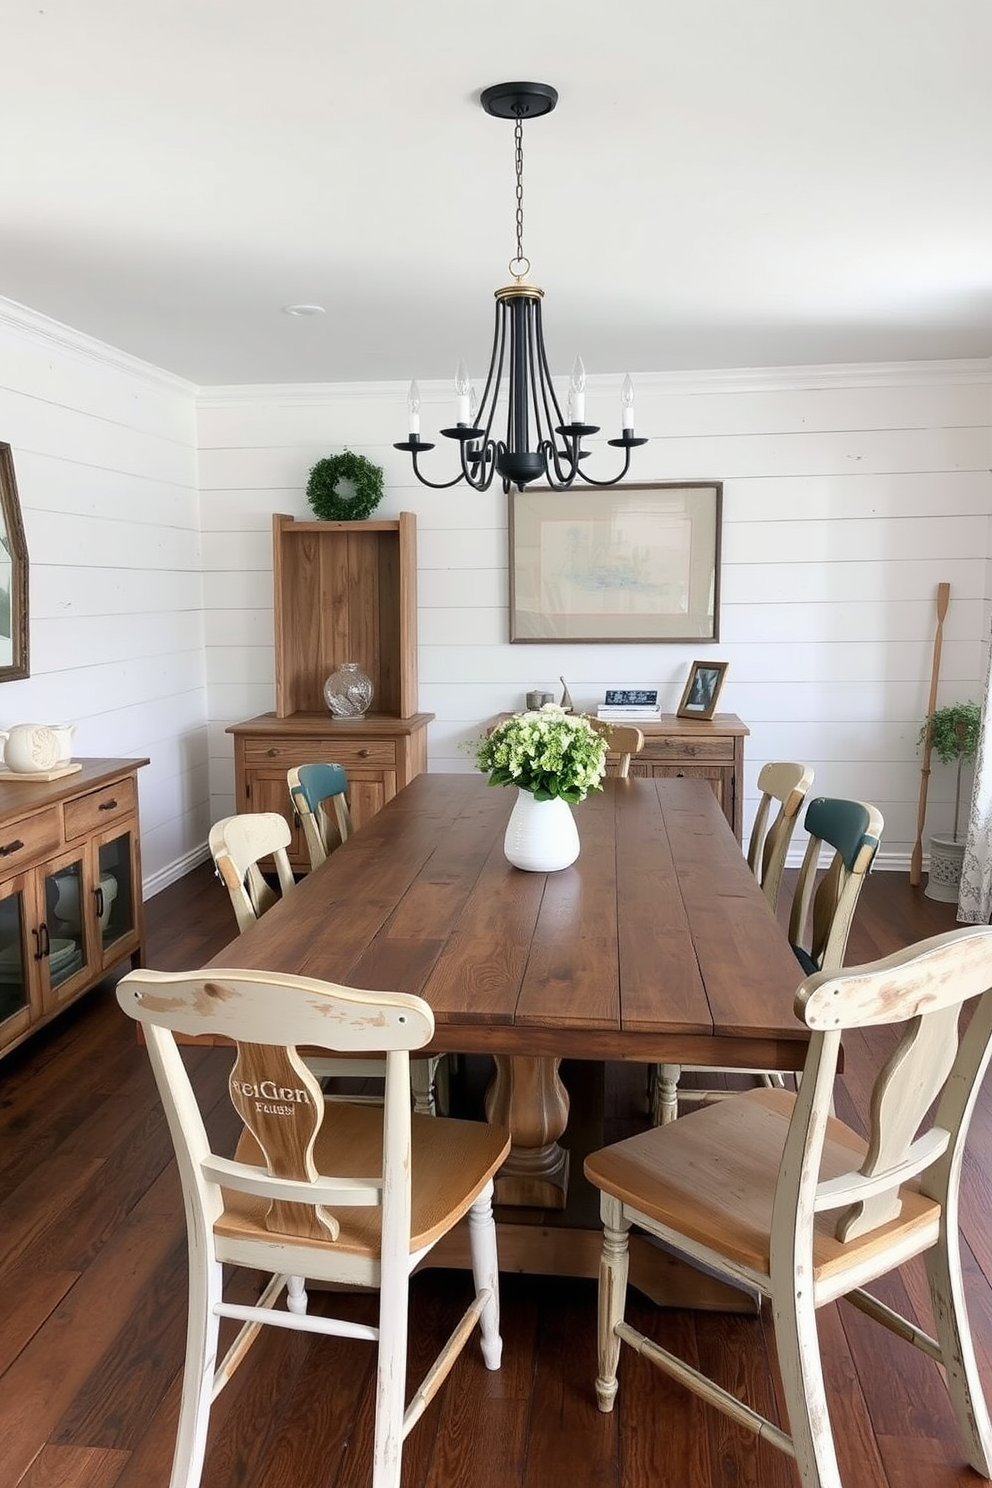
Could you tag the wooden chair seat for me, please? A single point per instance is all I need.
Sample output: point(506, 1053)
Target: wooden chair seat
point(451, 1163)
point(713, 1178)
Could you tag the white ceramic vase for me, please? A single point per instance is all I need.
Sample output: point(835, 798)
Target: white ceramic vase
point(541, 836)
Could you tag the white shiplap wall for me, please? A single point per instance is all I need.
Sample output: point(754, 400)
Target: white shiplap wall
point(105, 459)
point(849, 494)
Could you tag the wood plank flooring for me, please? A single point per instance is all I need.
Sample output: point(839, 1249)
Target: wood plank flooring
point(92, 1304)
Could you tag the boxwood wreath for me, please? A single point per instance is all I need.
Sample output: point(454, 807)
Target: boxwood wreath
point(344, 488)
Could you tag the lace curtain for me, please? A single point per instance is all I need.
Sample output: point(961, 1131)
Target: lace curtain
point(975, 897)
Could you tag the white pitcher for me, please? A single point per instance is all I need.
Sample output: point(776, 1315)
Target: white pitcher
point(32, 747)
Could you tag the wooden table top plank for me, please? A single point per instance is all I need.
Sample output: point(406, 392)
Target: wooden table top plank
point(478, 976)
point(739, 944)
point(572, 977)
point(658, 968)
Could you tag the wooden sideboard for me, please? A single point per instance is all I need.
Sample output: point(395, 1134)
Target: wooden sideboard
point(701, 749)
point(380, 755)
point(70, 889)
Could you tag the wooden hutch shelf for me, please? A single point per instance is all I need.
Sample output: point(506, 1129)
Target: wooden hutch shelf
point(343, 591)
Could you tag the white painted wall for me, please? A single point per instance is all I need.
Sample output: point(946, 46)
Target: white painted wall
point(105, 459)
point(849, 494)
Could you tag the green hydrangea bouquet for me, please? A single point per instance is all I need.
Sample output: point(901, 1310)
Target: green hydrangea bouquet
point(551, 753)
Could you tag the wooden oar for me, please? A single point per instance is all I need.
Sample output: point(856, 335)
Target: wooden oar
point(916, 861)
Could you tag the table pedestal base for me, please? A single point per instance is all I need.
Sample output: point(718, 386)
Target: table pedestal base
point(528, 1096)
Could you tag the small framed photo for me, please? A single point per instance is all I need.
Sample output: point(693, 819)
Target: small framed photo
point(702, 689)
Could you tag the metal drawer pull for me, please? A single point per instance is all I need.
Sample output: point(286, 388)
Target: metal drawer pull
point(272, 753)
point(364, 753)
point(9, 847)
point(108, 805)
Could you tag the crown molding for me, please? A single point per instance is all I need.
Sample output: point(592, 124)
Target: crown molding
point(22, 321)
point(672, 384)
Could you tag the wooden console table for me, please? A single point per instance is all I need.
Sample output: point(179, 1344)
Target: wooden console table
point(70, 889)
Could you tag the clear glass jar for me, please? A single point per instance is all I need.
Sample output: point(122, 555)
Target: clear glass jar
point(348, 691)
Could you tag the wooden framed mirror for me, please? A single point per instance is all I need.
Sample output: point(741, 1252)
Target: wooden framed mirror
point(13, 575)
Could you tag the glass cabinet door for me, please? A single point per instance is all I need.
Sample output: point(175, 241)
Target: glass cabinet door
point(65, 920)
point(115, 889)
point(15, 995)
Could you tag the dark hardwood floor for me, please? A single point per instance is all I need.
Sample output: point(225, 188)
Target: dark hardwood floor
point(92, 1305)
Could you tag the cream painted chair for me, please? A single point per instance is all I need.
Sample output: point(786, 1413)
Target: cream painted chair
point(348, 1195)
point(312, 788)
point(769, 1192)
point(237, 844)
point(820, 919)
point(788, 783)
point(624, 740)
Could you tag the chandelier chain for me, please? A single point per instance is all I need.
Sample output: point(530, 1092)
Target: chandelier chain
point(518, 136)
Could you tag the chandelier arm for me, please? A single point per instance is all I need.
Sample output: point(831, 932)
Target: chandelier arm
point(562, 479)
point(434, 485)
point(495, 374)
point(486, 459)
point(573, 454)
point(591, 480)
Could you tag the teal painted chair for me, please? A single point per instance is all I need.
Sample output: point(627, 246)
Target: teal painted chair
point(819, 921)
point(312, 789)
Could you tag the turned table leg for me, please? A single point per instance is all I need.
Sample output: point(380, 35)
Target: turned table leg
point(527, 1096)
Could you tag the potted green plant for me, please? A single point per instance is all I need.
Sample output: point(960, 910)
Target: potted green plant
point(953, 733)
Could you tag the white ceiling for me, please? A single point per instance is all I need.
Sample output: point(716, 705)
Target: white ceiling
point(725, 183)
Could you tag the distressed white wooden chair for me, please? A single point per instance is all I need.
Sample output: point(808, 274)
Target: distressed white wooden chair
point(339, 1193)
point(624, 740)
point(819, 921)
point(237, 844)
point(312, 788)
point(768, 1191)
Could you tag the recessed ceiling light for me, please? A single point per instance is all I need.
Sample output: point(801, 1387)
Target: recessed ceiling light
point(303, 310)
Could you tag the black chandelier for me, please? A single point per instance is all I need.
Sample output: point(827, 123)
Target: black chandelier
point(539, 444)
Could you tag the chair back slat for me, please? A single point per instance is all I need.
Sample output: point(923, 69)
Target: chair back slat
point(281, 1104)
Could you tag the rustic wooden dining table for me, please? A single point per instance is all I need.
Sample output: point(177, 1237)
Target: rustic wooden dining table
point(656, 945)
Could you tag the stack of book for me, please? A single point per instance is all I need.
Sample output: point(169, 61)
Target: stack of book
point(630, 705)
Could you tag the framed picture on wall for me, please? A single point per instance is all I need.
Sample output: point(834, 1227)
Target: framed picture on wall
point(630, 563)
point(702, 689)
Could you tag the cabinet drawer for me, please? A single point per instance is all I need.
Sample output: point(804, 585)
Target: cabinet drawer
point(32, 837)
point(100, 808)
point(287, 752)
point(676, 748)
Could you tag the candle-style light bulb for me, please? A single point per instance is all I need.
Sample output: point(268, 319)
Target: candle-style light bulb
point(577, 391)
point(413, 404)
point(627, 402)
point(473, 404)
point(463, 388)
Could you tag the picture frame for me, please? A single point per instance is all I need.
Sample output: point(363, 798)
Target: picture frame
point(702, 689)
point(630, 563)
